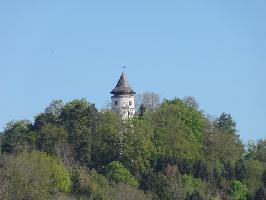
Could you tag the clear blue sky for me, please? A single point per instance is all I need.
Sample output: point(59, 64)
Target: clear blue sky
point(212, 50)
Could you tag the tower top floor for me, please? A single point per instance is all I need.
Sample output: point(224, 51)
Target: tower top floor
point(123, 99)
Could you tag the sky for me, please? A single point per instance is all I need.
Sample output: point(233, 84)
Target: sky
point(214, 51)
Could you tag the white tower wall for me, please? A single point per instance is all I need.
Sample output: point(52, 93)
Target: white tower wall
point(124, 105)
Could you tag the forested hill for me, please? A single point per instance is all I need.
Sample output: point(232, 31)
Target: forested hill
point(168, 151)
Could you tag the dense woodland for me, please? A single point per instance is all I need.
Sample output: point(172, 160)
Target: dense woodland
point(169, 150)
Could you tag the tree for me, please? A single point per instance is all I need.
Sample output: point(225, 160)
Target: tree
point(79, 112)
point(80, 119)
point(55, 108)
point(194, 196)
point(148, 100)
point(224, 147)
point(238, 191)
point(50, 116)
point(264, 177)
point(17, 136)
point(88, 184)
point(161, 186)
point(34, 175)
point(138, 150)
point(44, 119)
point(118, 173)
point(240, 170)
point(106, 141)
point(256, 150)
point(50, 138)
point(172, 149)
point(225, 124)
point(174, 141)
point(254, 170)
point(127, 192)
point(191, 102)
point(192, 187)
point(81, 140)
point(260, 194)
point(92, 185)
point(142, 110)
point(261, 151)
point(189, 115)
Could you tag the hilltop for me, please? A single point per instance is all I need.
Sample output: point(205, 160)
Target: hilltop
point(168, 150)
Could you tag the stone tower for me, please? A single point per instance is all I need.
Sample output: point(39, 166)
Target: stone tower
point(123, 99)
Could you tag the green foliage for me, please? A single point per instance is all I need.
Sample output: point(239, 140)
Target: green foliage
point(81, 140)
point(173, 139)
point(137, 148)
point(191, 102)
point(194, 188)
point(80, 119)
point(55, 108)
point(264, 177)
point(160, 185)
point(260, 194)
point(50, 138)
point(44, 119)
point(17, 136)
point(50, 116)
point(238, 191)
point(254, 170)
point(79, 112)
point(191, 183)
point(127, 192)
point(256, 150)
point(118, 173)
point(173, 185)
point(172, 149)
point(106, 143)
point(34, 175)
point(189, 115)
point(91, 185)
point(224, 147)
point(225, 124)
point(194, 196)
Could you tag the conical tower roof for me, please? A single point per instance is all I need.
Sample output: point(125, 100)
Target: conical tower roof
point(122, 87)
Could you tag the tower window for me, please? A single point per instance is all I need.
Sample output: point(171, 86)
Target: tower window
point(116, 103)
point(130, 103)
